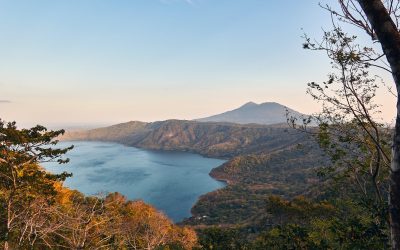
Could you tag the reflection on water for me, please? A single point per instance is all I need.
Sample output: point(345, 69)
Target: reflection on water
point(171, 181)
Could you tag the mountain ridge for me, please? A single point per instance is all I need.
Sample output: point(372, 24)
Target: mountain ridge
point(213, 139)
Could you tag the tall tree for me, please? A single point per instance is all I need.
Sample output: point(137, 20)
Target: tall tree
point(381, 19)
point(23, 182)
point(359, 147)
point(388, 34)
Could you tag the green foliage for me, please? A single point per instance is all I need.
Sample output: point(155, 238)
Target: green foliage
point(357, 144)
point(285, 237)
point(216, 238)
point(22, 181)
point(339, 224)
point(253, 178)
point(349, 211)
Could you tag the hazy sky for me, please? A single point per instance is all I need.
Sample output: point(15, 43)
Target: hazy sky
point(107, 61)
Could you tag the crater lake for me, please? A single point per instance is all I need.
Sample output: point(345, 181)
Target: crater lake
point(170, 181)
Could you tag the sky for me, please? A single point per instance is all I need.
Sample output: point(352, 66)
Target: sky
point(100, 62)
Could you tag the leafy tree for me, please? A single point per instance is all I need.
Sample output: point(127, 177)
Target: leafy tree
point(361, 174)
point(357, 144)
point(381, 21)
point(23, 182)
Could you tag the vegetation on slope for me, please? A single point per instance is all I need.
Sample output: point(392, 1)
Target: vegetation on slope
point(252, 179)
point(223, 140)
point(37, 212)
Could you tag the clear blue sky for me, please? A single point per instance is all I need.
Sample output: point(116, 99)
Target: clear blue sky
point(107, 61)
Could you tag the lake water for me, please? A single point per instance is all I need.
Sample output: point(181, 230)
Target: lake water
point(170, 181)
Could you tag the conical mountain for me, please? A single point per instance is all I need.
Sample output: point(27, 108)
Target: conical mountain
point(264, 113)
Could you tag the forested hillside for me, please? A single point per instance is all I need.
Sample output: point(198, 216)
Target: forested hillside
point(223, 140)
point(289, 172)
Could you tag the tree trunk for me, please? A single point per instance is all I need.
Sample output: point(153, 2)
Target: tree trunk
point(394, 195)
point(7, 233)
point(389, 37)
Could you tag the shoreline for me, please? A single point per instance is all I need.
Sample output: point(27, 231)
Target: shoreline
point(226, 182)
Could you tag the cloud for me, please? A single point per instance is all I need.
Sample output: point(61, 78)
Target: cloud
point(5, 101)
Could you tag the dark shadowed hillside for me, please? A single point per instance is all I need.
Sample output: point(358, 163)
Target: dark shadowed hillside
point(264, 113)
point(252, 179)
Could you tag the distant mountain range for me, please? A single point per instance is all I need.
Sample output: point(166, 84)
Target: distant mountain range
point(252, 128)
point(265, 113)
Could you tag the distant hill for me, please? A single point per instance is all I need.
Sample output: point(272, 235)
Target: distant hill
point(206, 138)
point(265, 113)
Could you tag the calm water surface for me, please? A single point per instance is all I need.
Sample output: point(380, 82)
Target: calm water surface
point(170, 181)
